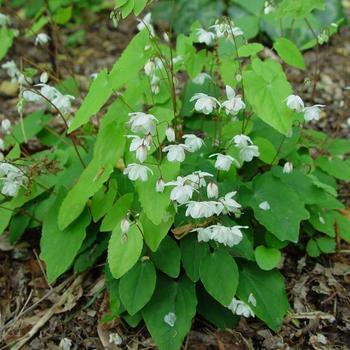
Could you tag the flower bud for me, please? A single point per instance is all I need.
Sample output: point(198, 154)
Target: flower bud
point(288, 168)
point(160, 184)
point(212, 190)
point(141, 153)
point(170, 134)
point(125, 225)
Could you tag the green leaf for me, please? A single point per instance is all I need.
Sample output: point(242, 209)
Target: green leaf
point(289, 53)
point(312, 248)
point(139, 6)
point(63, 15)
point(266, 90)
point(6, 40)
point(334, 167)
point(326, 244)
point(219, 274)
point(323, 221)
point(284, 216)
point(248, 50)
point(344, 226)
point(267, 258)
point(167, 257)
point(59, 247)
point(124, 250)
point(112, 285)
point(171, 297)
point(269, 291)
point(192, 253)
point(136, 287)
point(267, 150)
point(298, 8)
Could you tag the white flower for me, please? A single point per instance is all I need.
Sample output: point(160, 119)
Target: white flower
point(247, 153)
point(193, 142)
point(288, 168)
point(203, 209)
point(268, 8)
point(44, 77)
point(204, 104)
point(142, 122)
point(137, 172)
point(242, 141)
point(225, 29)
point(182, 191)
point(204, 234)
point(48, 91)
point(240, 308)
point(149, 68)
point(251, 299)
point(160, 185)
point(176, 153)
point(264, 205)
point(31, 96)
point(4, 20)
point(65, 344)
point(140, 146)
point(197, 179)
point(234, 103)
point(5, 126)
point(42, 39)
point(125, 225)
point(11, 68)
point(312, 113)
point(146, 22)
point(166, 37)
point(63, 102)
point(12, 179)
point(224, 162)
point(201, 78)
point(230, 205)
point(177, 59)
point(205, 37)
point(295, 103)
point(170, 134)
point(212, 190)
point(115, 338)
point(228, 236)
point(170, 319)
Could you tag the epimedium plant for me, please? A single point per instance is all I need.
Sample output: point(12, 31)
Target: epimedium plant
point(201, 170)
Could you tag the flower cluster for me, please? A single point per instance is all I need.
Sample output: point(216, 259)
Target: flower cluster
point(240, 308)
point(12, 179)
point(311, 113)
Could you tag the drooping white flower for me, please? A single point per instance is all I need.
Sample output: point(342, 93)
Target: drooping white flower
point(31, 96)
point(4, 20)
point(42, 39)
point(201, 78)
point(10, 68)
point(44, 77)
point(312, 113)
point(182, 191)
point(247, 153)
point(170, 134)
point(197, 179)
point(204, 234)
point(240, 308)
point(288, 168)
point(146, 22)
point(155, 88)
point(63, 103)
point(230, 205)
point(204, 209)
point(268, 7)
point(137, 172)
point(204, 104)
point(295, 103)
point(48, 91)
point(140, 146)
point(226, 29)
point(170, 319)
point(142, 122)
point(12, 179)
point(205, 37)
point(175, 153)
point(5, 126)
point(149, 68)
point(234, 103)
point(160, 185)
point(251, 299)
point(242, 141)
point(264, 205)
point(212, 190)
point(193, 142)
point(125, 225)
point(223, 161)
point(166, 37)
point(228, 236)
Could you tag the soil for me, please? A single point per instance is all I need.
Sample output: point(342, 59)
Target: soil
point(318, 289)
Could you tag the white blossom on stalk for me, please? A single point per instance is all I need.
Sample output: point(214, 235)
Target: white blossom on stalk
point(223, 161)
point(268, 7)
point(226, 29)
point(242, 141)
point(12, 179)
point(48, 91)
point(175, 153)
point(137, 142)
point(182, 191)
point(288, 168)
point(197, 178)
point(31, 96)
point(247, 153)
point(149, 68)
point(155, 88)
point(203, 209)
point(137, 172)
point(142, 122)
point(193, 142)
point(234, 103)
point(42, 39)
point(11, 68)
point(5, 126)
point(146, 22)
point(4, 20)
point(204, 104)
point(295, 103)
point(212, 190)
point(170, 134)
point(201, 78)
point(44, 77)
point(205, 37)
point(204, 234)
point(230, 205)
point(264, 205)
point(240, 308)
point(228, 236)
point(63, 102)
point(160, 185)
point(125, 225)
point(170, 319)
point(312, 113)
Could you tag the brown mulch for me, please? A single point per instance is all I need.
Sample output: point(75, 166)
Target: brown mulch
point(318, 289)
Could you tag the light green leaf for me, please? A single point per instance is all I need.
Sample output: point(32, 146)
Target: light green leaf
point(124, 250)
point(289, 53)
point(178, 298)
point(137, 286)
point(335, 167)
point(268, 289)
point(248, 50)
point(6, 40)
point(267, 150)
point(218, 272)
point(139, 6)
point(267, 258)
